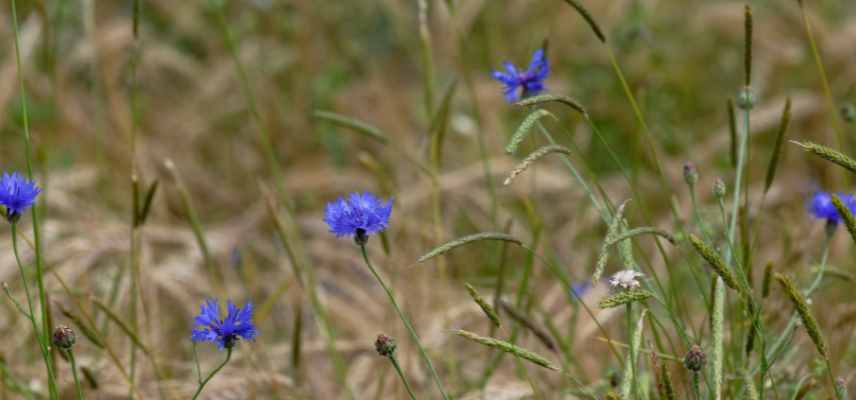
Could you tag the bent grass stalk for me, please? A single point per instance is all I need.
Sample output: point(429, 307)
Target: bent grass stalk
point(406, 322)
point(45, 320)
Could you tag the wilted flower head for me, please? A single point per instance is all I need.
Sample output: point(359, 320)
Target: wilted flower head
point(359, 215)
point(524, 83)
point(625, 279)
point(17, 194)
point(225, 332)
point(821, 207)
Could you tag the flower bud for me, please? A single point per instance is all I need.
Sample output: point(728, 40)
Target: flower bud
point(695, 359)
point(63, 337)
point(690, 174)
point(385, 345)
point(746, 98)
point(719, 188)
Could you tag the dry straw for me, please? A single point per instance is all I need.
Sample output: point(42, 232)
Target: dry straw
point(535, 156)
point(712, 257)
point(448, 246)
point(508, 348)
point(525, 127)
point(805, 314)
point(828, 154)
point(488, 310)
point(550, 98)
point(625, 297)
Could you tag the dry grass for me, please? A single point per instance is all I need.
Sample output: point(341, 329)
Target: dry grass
point(361, 59)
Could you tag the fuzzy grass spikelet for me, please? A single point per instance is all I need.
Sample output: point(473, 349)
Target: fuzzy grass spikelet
point(804, 312)
point(535, 156)
point(613, 231)
point(625, 297)
point(508, 348)
point(488, 310)
point(550, 98)
point(715, 261)
point(846, 213)
point(828, 154)
point(525, 127)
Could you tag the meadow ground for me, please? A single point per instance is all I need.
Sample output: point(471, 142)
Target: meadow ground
point(187, 150)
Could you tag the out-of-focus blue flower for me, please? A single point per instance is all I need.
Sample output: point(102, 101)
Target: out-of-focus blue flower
point(17, 194)
point(821, 207)
point(524, 83)
point(225, 332)
point(358, 215)
point(580, 288)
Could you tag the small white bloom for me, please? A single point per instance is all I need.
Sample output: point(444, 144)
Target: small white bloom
point(625, 279)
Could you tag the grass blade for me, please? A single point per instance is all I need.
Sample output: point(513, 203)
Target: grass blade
point(549, 98)
point(353, 124)
point(588, 17)
point(534, 156)
point(488, 310)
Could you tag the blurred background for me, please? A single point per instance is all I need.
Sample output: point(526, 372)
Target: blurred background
point(218, 102)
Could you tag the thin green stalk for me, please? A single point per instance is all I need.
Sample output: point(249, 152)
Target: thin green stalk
point(394, 362)
point(30, 314)
point(264, 135)
point(214, 372)
point(45, 320)
point(827, 92)
point(74, 374)
point(696, 386)
point(406, 322)
point(637, 112)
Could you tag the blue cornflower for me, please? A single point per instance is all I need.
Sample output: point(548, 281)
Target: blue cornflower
point(524, 83)
point(17, 194)
point(224, 332)
point(358, 215)
point(580, 288)
point(820, 205)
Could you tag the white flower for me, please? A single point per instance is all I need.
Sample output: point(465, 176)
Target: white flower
point(625, 279)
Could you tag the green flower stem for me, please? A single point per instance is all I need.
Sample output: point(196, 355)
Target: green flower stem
point(36, 236)
point(74, 374)
point(407, 324)
point(696, 386)
point(394, 362)
point(31, 316)
point(214, 372)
